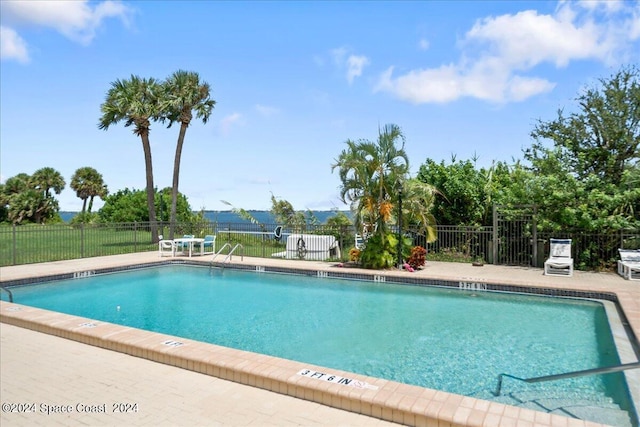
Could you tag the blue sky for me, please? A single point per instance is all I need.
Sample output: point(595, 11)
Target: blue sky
point(293, 81)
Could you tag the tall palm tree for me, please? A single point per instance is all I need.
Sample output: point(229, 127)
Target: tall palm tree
point(88, 183)
point(369, 172)
point(184, 94)
point(136, 101)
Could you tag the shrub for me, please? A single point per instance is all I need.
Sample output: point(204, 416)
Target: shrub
point(418, 257)
point(354, 255)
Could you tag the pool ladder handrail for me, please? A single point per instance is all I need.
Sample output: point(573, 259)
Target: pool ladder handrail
point(582, 373)
point(228, 257)
point(9, 292)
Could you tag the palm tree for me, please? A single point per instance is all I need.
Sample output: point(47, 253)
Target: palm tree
point(88, 183)
point(47, 179)
point(369, 172)
point(418, 199)
point(136, 101)
point(184, 94)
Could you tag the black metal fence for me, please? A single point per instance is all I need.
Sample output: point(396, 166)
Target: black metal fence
point(28, 244)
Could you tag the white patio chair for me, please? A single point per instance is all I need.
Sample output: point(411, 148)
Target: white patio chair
point(166, 246)
point(560, 262)
point(629, 264)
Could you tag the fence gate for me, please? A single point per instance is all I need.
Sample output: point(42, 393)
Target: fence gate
point(514, 235)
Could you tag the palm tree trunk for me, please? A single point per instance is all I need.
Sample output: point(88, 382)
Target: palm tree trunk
point(146, 146)
point(84, 205)
point(90, 204)
point(176, 177)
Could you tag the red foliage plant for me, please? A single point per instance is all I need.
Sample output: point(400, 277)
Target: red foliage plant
point(418, 257)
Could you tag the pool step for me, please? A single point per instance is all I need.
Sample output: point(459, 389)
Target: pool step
point(579, 405)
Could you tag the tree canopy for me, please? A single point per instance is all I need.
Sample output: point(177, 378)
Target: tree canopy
point(130, 206)
point(88, 183)
point(29, 198)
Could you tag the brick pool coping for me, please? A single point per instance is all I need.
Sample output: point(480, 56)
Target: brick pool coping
point(384, 399)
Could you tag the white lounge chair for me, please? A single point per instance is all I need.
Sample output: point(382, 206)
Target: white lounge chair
point(209, 244)
point(629, 264)
point(560, 262)
point(359, 242)
point(166, 246)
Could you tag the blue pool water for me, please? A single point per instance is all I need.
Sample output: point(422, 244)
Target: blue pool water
point(438, 338)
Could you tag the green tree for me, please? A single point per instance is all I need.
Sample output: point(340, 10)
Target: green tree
point(462, 191)
point(28, 197)
point(4, 203)
point(600, 140)
point(13, 186)
point(284, 213)
point(370, 173)
point(88, 183)
point(28, 205)
point(340, 219)
point(419, 199)
point(47, 179)
point(183, 209)
point(136, 102)
point(588, 177)
point(130, 206)
point(17, 184)
point(184, 94)
point(466, 194)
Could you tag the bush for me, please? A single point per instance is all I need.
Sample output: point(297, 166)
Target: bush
point(418, 257)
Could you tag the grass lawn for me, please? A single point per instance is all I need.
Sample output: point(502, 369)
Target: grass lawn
point(32, 243)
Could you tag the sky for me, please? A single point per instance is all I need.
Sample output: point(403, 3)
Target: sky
point(294, 80)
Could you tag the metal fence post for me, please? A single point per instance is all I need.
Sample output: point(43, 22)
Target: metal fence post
point(82, 240)
point(495, 235)
point(14, 244)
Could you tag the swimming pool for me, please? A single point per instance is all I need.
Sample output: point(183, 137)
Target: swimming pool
point(437, 338)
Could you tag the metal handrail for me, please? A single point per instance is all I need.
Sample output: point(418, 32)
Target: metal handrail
point(585, 372)
point(9, 292)
point(230, 252)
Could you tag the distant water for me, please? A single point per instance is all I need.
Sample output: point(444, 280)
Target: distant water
point(263, 217)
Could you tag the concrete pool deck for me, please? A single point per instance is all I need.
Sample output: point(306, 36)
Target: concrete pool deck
point(50, 370)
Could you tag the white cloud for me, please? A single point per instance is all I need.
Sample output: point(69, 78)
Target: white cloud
point(76, 20)
point(354, 64)
point(229, 121)
point(12, 46)
point(593, 5)
point(526, 39)
point(338, 55)
point(423, 44)
point(497, 52)
point(266, 110)
point(419, 86)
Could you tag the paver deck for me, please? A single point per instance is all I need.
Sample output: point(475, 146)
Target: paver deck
point(42, 369)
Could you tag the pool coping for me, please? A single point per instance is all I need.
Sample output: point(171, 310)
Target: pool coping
point(375, 397)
